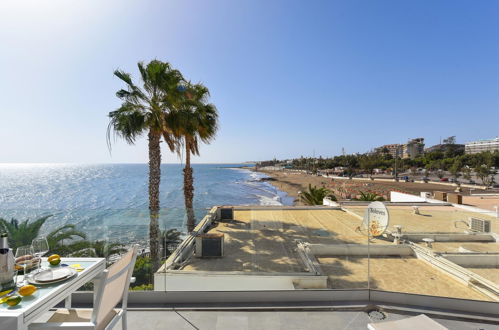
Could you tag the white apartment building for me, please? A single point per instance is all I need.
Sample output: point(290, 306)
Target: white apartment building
point(481, 146)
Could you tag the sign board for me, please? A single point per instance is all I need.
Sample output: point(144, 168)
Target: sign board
point(376, 219)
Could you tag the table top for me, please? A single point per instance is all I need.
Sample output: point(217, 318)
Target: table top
point(47, 292)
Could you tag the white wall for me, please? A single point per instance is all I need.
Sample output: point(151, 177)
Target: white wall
point(401, 197)
point(203, 281)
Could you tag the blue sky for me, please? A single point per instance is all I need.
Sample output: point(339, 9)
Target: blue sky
point(288, 77)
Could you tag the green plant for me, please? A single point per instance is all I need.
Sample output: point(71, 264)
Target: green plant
point(455, 169)
point(96, 249)
point(196, 121)
point(142, 287)
point(143, 271)
point(23, 233)
point(147, 110)
point(369, 197)
point(315, 196)
point(170, 237)
point(485, 173)
point(57, 237)
point(467, 173)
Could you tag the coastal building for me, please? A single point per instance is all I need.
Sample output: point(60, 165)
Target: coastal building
point(481, 146)
point(394, 150)
point(412, 149)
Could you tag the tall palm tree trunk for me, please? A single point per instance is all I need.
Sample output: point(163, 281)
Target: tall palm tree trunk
point(189, 189)
point(154, 180)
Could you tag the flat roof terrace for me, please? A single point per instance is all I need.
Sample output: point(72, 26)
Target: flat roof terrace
point(272, 241)
point(432, 218)
point(265, 240)
point(399, 274)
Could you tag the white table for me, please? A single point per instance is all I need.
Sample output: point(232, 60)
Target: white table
point(47, 296)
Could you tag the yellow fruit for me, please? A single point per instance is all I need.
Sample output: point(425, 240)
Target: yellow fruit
point(55, 262)
point(54, 259)
point(14, 300)
point(54, 256)
point(27, 290)
point(5, 292)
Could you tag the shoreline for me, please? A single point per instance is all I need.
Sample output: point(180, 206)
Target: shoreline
point(280, 182)
point(293, 182)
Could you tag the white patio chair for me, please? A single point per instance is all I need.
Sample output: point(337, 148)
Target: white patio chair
point(113, 288)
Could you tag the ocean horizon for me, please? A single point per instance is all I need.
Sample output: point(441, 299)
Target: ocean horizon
point(110, 201)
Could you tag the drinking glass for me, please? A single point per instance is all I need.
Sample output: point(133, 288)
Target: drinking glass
point(40, 248)
point(24, 258)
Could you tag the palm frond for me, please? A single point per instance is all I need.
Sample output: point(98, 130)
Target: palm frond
point(315, 196)
point(22, 233)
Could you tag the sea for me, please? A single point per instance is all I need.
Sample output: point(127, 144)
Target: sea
point(110, 201)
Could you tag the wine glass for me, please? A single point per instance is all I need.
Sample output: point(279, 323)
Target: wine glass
point(24, 258)
point(40, 248)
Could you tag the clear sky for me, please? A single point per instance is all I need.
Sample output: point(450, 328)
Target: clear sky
point(288, 77)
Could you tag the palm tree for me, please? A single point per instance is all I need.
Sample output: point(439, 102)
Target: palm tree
point(195, 121)
point(146, 110)
point(369, 197)
point(24, 233)
point(170, 237)
point(95, 249)
point(315, 196)
point(68, 231)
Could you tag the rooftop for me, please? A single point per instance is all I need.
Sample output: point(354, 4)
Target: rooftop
point(264, 240)
point(325, 248)
point(432, 218)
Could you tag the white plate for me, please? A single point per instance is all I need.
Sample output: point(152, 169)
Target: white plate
point(50, 276)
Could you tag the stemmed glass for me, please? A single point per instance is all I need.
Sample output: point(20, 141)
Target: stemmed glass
point(40, 248)
point(24, 258)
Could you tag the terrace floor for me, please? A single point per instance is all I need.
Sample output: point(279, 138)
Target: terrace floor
point(264, 240)
point(261, 320)
point(431, 218)
point(483, 202)
point(398, 274)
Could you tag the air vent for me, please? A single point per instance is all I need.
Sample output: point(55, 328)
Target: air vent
point(209, 245)
point(480, 225)
point(226, 214)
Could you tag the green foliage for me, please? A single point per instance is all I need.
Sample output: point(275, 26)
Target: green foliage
point(194, 119)
point(142, 287)
point(23, 233)
point(369, 162)
point(456, 168)
point(143, 271)
point(485, 173)
point(467, 173)
point(66, 232)
point(95, 249)
point(170, 237)
point(147, 108)
point(315, 196)
point(432, 161)
point(369, 197)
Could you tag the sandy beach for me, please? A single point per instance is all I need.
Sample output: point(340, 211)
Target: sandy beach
point(293, 182)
